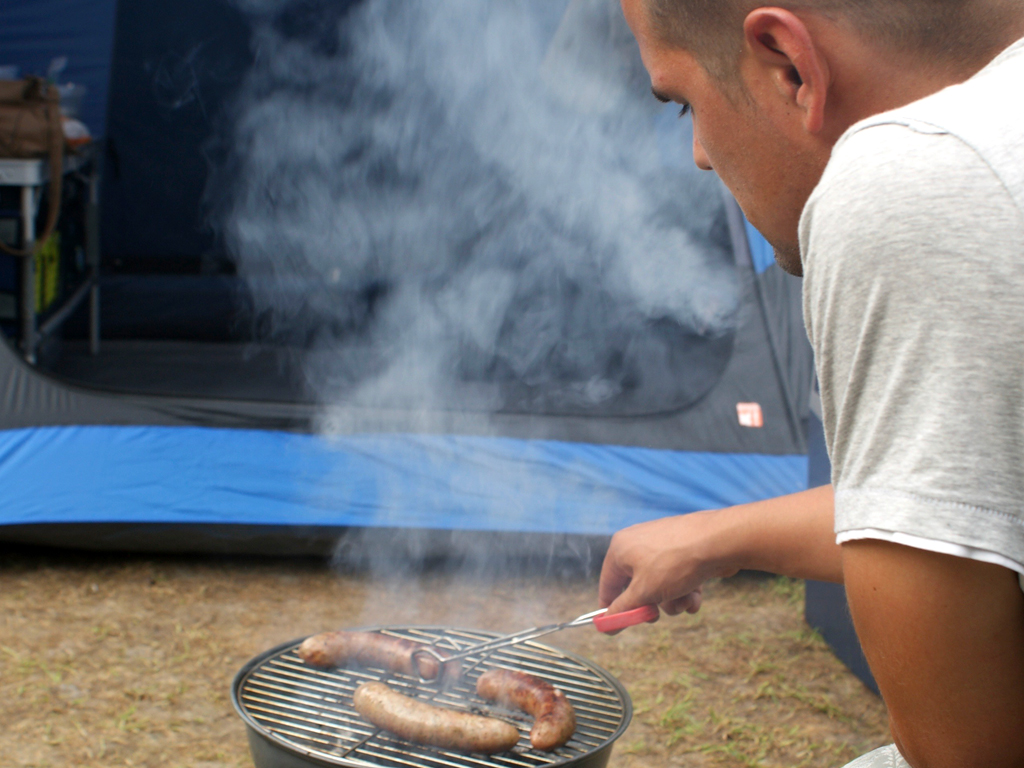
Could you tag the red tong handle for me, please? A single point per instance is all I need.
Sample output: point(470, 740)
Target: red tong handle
point(617, 621)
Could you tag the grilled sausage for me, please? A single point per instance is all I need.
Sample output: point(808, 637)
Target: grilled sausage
point(554, 718)
point(372, 649)
point(415, 720)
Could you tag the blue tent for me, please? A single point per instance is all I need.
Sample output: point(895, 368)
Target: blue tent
point(217, 408)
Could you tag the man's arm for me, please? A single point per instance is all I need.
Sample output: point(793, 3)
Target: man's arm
point(665, 561)
point(945, 640)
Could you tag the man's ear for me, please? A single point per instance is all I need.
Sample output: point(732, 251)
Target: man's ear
point(782, 45)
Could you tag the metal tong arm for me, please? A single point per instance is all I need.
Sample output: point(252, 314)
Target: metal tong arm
point(512, 639)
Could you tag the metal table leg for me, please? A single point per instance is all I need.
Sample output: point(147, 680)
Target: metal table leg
point(28, 276)
point(92, 253)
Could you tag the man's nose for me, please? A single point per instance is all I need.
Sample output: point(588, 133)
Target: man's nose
point(699, 155)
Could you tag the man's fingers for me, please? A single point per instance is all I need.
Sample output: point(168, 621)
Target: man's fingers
point(614, 581)
point(611, 592)
point(620, 604)
point(677, 606)
point(689, 603)
point(697, 598)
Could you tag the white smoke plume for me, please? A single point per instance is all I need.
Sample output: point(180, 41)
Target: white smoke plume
point(464, 203)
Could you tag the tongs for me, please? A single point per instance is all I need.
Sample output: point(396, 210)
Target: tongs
point(601, 622)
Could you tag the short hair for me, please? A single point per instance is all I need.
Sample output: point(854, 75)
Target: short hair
point(947, 31)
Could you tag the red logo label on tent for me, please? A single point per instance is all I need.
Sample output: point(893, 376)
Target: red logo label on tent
point(750, 415)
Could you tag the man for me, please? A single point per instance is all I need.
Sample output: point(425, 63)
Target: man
point(879, 145)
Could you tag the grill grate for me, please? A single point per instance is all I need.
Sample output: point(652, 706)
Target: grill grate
point(309, 711)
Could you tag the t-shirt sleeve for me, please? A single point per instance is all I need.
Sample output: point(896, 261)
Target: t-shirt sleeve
point(914, 301)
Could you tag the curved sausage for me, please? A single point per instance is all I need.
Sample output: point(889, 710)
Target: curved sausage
point(372, 649)
point(554, 717)
point(415, 720)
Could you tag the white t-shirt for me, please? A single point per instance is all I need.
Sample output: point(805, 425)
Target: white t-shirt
point(913, 255)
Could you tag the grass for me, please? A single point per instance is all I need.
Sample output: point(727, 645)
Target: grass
point(127, 661)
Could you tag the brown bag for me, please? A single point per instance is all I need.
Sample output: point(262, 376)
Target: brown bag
point(31, 127)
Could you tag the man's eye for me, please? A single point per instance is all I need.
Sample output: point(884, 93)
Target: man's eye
point(685, 110)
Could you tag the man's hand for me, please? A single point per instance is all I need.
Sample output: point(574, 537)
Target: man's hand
point(945, 640)
point(657, 563)
point(665, 562)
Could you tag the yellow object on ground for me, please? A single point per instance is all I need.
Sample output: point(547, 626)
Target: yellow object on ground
point(47, 268)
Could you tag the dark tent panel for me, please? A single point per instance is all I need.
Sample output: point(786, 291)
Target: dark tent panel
point(825, 606)
point(175, 65)
point(35, 32)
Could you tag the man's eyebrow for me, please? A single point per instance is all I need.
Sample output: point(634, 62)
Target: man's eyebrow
point(660, 96)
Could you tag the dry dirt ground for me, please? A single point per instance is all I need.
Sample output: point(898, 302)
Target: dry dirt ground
point(122, 660)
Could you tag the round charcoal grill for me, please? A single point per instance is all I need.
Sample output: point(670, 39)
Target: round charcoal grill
point(299, 716)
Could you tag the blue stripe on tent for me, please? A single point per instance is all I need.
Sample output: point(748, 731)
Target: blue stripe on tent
point(201, 475)
point(761, 252)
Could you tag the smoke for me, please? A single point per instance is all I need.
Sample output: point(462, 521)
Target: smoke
point(466, 204)
point(395, 555)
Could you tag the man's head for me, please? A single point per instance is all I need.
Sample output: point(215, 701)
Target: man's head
point(772, 88)
point(942, 32)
